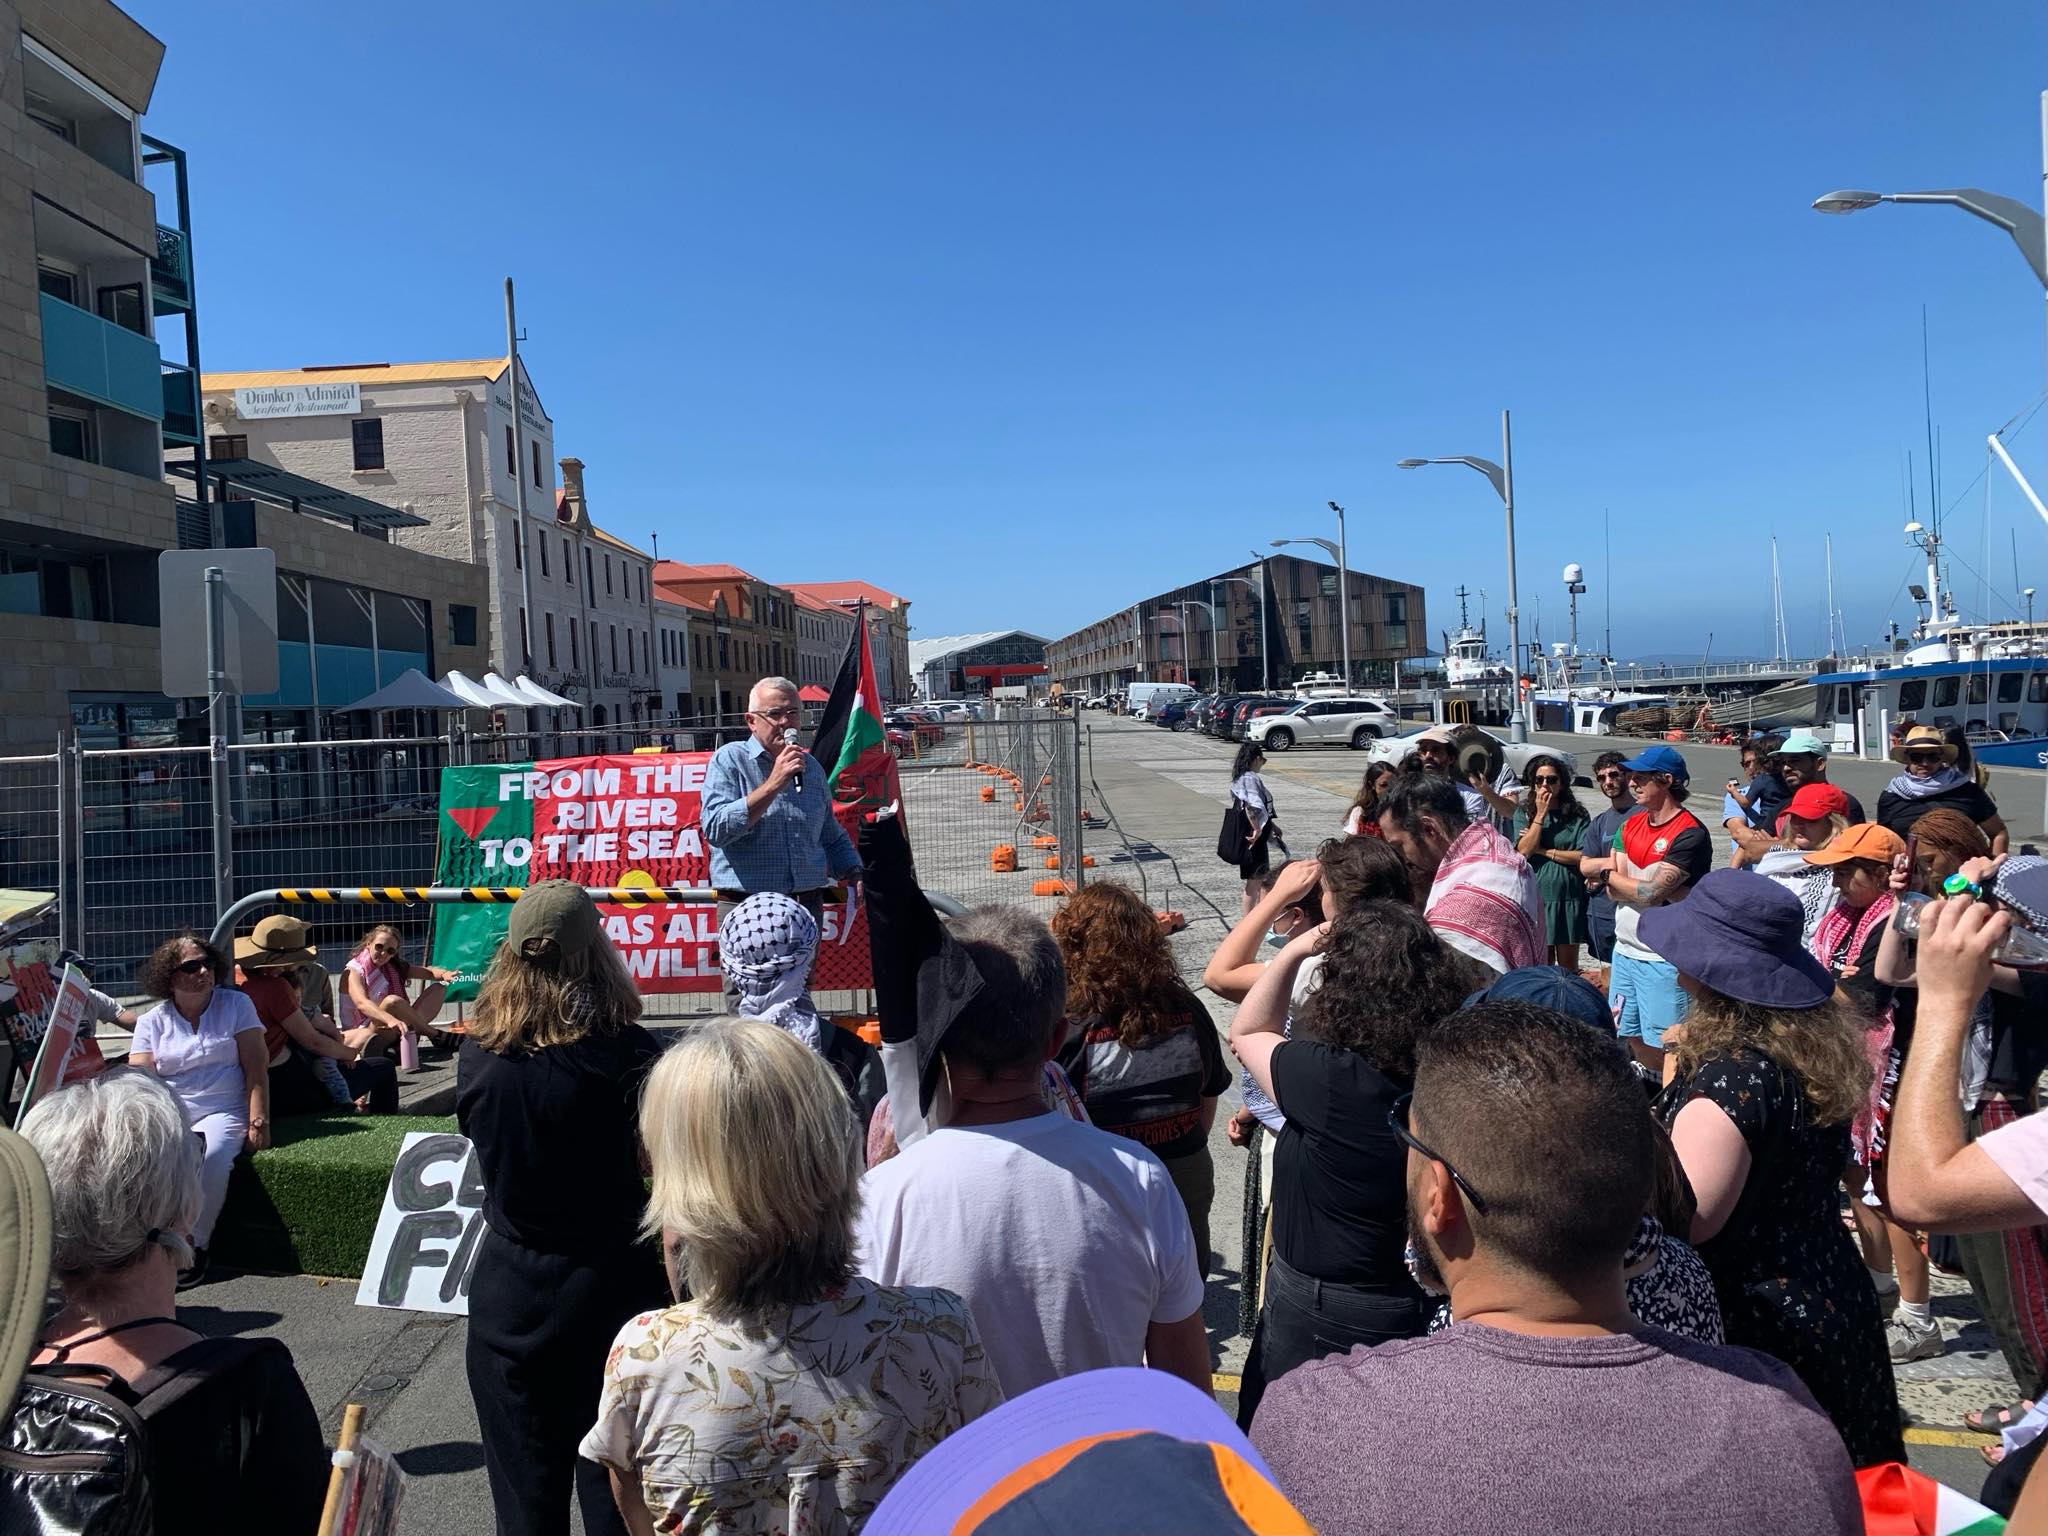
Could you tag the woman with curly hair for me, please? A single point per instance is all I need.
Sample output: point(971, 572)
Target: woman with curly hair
point(1338, 1275)
point(1141, 1050)
point(1770, 1073)
point(1550, 832)
point(1363, 819)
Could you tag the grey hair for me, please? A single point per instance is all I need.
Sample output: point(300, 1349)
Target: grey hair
point(770, 685)
point(124, 1174)
point(1024, 988)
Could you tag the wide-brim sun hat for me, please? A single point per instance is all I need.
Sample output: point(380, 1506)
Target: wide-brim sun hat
point(1924, 738)
point(1742, 936)
point(278, 940)
point(25, 1241)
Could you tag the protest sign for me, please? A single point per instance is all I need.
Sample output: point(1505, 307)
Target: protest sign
point(617, 821)
point(424, 1249)
point(60, 1040)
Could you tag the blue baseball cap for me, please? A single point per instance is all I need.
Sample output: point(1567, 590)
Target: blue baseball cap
point(1658, 760)
point(1552, 987)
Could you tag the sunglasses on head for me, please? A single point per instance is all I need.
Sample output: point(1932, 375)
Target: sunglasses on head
point(193, 966)
point(1397, 1121)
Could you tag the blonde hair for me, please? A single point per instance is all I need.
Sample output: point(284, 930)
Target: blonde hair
point(523, 1002)
point(1822, 1047)
point(757, 1166)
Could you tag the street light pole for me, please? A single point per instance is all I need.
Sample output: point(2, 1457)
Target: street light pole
point(1343, 593)
point(1265, 633)
point(1336, 553)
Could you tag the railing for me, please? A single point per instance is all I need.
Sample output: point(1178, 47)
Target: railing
point(181, 404)
point(100, 360)
point(170, 271)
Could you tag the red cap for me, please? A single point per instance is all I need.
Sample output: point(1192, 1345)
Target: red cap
point(1817, 802)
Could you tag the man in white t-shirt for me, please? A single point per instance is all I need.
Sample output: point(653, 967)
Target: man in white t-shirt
point(1069, 1244)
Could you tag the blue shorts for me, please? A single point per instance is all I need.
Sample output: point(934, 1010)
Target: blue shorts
point(1646, 999)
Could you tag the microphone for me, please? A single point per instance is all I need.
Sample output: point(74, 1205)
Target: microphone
point(789, 740)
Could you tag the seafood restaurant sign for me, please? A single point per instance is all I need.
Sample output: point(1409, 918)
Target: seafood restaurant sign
point(615, 821)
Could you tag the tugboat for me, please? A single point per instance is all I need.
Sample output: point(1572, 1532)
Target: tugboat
point(1466, 663)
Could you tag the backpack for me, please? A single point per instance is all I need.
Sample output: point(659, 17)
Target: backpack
point(74, 1449)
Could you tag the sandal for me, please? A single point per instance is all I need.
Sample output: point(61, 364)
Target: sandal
point(1997, 1417)
point(1992, 1454)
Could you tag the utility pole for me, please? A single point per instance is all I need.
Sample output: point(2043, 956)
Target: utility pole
point(525, 559)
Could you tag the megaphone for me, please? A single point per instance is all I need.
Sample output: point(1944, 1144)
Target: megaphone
point(1477, 752)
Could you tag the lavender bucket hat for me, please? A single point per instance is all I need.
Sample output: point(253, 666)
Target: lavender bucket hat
point(1740, 934)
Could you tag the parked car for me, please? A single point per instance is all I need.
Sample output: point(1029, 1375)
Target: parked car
point(1355, 722)
point(927, 732)
point(1392, 749)
point(1252, 705)
point(1141, 695)
point(1173, 714)
point(1217, 721)
point(897, 740)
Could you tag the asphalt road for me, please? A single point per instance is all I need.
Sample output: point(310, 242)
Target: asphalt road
point(1164, 794)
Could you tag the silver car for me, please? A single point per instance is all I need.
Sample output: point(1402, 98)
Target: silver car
point(1355, 723)
point(1394, 749)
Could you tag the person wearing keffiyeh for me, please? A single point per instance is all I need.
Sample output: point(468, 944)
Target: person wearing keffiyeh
point(1482, 894)
point(766, 945)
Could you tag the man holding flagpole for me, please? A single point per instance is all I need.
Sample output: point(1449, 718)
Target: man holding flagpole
point(766, 810)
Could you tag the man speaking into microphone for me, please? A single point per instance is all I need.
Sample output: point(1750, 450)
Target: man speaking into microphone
point(766, 810)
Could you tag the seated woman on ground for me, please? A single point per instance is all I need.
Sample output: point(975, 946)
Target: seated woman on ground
point(238, 1448)
point(311, 1066)
point(826, 1387)
point(375, 1010)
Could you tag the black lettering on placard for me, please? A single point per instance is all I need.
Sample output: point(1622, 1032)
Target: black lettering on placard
point(408, 1250)
point(408, 1192)
point(464, 1263)
point(471, 1195)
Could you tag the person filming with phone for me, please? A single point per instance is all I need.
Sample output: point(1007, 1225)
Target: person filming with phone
point(767, 810)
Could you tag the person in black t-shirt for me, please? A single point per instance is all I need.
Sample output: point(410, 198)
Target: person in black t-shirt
point(1933, 780)
point(1338, 1275)
point(1140, 1047)
point(548, 1091)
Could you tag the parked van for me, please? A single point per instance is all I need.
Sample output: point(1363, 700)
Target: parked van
point(1139, 695)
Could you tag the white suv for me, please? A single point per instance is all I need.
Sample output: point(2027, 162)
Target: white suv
point(1353, 723)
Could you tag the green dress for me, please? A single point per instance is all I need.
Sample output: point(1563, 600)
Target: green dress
point(1562, 888)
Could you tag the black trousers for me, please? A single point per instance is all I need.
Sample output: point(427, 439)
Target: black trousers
point(1304, 1319)
point(540, 1325)
point(294, 1090)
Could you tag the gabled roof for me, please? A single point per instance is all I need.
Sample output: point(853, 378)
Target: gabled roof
point(680, 600)
point(817, 604)
point(362, 373)
point(678, 571)
point(848, 592)
point(616, 541)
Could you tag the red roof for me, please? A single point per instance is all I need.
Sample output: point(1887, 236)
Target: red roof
point(848, 592)
point(676, 570)
point(811, 693)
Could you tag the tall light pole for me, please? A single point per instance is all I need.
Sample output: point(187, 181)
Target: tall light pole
point(1265, 634)
point(1216, 654)
point(1224, 581)
point(2029, 596)
point(1336, 552)
point(1502, 476)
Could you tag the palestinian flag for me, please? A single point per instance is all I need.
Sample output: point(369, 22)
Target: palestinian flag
point(850, 740)
point(1898, 1501)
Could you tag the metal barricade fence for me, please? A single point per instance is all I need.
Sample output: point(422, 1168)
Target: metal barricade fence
point(132, 841)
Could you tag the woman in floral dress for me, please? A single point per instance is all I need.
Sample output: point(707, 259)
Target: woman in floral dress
point(786, 1394)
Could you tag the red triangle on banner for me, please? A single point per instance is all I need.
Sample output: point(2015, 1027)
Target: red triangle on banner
point(472, 818)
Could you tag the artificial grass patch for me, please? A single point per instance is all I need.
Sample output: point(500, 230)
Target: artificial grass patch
point(308, 1203)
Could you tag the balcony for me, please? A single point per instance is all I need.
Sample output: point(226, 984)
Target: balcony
point(94, 358)
point(181, 405)
point(170, 271)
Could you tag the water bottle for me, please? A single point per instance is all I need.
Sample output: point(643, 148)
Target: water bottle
point(2021, 948)
point(409, 1049)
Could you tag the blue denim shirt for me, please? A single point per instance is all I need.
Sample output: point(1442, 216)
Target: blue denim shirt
point(795, 846)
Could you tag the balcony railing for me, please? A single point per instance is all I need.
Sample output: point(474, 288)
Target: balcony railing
point(170, 271)
point(101, 361)
point(181, 405)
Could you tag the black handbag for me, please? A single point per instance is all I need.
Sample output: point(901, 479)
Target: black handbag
point(1235, 836)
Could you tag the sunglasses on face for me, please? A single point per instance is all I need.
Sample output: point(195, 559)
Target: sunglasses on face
point(1924, 757)
point(383, 949)
point(1397, 1121)
point(1547, 778)
point(193, 966)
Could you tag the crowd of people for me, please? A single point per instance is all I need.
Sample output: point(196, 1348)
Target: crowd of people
point(760, 1281)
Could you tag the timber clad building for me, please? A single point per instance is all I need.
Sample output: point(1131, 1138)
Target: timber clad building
point(1266, 624)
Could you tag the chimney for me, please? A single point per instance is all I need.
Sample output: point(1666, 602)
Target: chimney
point(572, 479)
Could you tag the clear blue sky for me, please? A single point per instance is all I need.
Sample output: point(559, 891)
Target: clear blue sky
point(1024, 310)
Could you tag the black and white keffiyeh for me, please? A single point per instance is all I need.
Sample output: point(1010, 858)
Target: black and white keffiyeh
point(766, 945)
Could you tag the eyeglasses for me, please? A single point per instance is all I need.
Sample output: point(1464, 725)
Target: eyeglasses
point(1397, 1121)
point(383, 949)
point(193, 966)
point(1924, 757)
point(777, 714)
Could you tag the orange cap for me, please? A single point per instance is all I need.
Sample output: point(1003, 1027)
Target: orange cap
point(1865, 840)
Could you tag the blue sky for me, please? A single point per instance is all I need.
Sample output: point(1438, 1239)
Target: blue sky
point(1024, 310)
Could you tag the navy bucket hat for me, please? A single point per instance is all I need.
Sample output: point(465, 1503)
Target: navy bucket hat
point(1741, 935)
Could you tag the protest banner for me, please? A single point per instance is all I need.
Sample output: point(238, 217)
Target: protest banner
point(619, 821)
point(424, 1248)
point(58, 1049)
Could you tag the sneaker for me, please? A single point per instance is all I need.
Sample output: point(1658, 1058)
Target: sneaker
point(1910, 1339)
point(187, 1278)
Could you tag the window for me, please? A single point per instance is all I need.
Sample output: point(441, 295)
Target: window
point(575, 661)
point(121, 304)
point(607, 575)
point(615, 647)
point(518, 548)
point(228, 445)
point(1945, 691)
point(1980, 687)
point(525, 648)
point(631, 664)
point(568, 562)
point(71, 434)
point(2009, 685)
point(589, 576)
point(2037, 688)
point(42, 110)
point(462, 624)
point(547, 624)
point(511, 452)
point(541, 544)
point(1913, 695)
point(58, 283)
point(724, 653)
point(1303, 624)
point(646, 651)
point(1844, 705)
point(367, 435)
point(537, 480)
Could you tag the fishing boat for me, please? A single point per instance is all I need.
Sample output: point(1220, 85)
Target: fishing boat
point(1465, 660)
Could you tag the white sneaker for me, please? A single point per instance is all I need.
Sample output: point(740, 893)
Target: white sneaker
point(1909, 1339)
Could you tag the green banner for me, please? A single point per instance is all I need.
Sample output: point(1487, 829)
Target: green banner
point(475, 828)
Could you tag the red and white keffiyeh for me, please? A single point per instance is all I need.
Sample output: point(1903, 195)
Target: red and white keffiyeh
point(1483, 902)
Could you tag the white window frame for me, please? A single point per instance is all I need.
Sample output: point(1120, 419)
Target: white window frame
point(99, 94)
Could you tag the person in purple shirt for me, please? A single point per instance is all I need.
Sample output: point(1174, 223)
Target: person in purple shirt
point(1529, 1152)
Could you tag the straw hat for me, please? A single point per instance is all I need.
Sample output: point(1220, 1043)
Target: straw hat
point(1923, 738)
point(277, 940)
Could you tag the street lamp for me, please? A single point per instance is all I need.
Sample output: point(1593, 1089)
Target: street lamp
point(1265, 681)
point(1336, 552)
point(1216, 651)
point(1502, 476)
